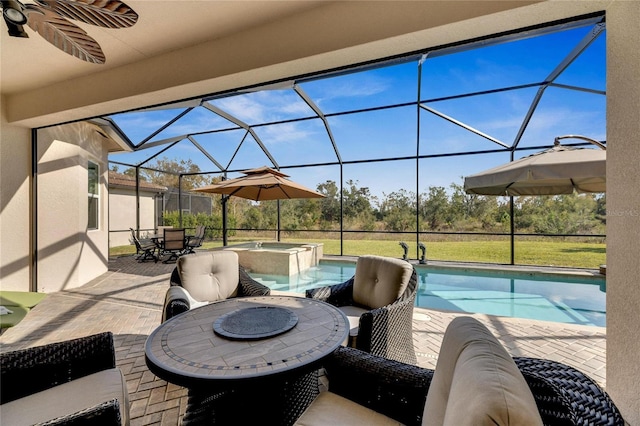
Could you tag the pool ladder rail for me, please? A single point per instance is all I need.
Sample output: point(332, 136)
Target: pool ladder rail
point(423, 254)
point(423, 251)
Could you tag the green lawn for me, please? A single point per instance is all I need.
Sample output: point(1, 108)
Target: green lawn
point(540, 253)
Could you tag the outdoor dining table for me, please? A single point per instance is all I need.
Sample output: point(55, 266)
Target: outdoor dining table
point(156, 238)
point(247, 360)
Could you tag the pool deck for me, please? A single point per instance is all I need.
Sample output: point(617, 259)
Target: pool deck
point(127, 300)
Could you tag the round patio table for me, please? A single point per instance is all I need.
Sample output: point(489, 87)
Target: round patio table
point(263, 352)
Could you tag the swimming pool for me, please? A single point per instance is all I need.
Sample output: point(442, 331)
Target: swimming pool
point(559, 298)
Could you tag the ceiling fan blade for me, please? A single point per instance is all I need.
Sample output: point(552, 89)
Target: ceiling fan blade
point(103, 13)
point(64, 35)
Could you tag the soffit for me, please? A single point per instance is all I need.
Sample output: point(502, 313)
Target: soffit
point(163, 26)
point(187, 48)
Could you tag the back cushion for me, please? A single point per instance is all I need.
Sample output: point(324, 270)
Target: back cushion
point(476, 382)
point(69, 398)
point(380, 280)
point(210, 276)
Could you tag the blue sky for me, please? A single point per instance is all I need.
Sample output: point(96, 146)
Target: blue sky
point(393, 133)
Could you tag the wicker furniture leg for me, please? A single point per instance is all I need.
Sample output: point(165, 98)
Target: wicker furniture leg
point(273, 402)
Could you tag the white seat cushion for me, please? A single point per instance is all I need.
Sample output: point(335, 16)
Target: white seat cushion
point(353, 314)
point(476, 382)
point(333, 410)
point(210, 276)
point(68, 398)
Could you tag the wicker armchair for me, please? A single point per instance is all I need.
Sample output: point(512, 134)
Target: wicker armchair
point(476, 381)
point(562, 394)
point(378, 301)
point(207, 277)
point(70, 382)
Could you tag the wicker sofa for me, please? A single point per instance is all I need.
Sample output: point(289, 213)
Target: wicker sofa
point(378, 301)
point(366, 389)
point(66, 383)
point(206, 277)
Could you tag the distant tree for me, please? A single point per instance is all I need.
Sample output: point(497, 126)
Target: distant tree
point(290, 215)
point(330, 205)
point(307, 212)
point(166, 173)
point(252, 218)
point(468, 211)
point(398, 211)
point(131, 171)
point(357, 206)
point(434, 207)
point(561, 214)
point(356, 200)
point(601, 208)
point(269, 211)
point(237, 209)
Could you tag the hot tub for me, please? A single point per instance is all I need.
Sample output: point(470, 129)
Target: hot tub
point(276, 258)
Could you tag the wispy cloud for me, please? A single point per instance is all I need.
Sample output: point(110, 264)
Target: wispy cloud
point(265, 106)
point(138, 127)
point(548, 124)
point(355, 87)
point(289, 132)
point(198, 120)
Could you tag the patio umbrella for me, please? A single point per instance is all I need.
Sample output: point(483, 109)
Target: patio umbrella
point(261, 184)
point(558, 170)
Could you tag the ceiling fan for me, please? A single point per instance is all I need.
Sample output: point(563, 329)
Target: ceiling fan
point(47, 18)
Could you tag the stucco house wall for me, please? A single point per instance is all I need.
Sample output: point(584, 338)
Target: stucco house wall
point(122, 208)
point(623, 207)
point(69, 254)
point(15, 205)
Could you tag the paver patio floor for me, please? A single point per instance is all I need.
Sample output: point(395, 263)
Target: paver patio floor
point(128, 301)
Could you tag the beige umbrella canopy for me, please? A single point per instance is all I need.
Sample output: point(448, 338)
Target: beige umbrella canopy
point(261, 184)
point(558, 170)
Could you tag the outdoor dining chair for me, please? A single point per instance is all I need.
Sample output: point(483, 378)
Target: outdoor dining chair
point(145, 249)
point(378, 301)
point(195, 241)
point(173, 243)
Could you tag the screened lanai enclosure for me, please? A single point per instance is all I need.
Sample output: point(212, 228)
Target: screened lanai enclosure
point(388, 143)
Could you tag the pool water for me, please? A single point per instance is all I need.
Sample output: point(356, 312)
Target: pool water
point(557, 298)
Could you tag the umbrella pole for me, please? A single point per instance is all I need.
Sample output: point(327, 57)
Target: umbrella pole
point(278, 230)
point(513, 228)
point(512, 225)
point(224, 220)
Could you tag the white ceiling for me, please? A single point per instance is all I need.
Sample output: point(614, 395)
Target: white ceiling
point(184, 49)
point(163, 26)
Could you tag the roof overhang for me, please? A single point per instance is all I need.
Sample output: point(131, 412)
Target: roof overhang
point(116, 139)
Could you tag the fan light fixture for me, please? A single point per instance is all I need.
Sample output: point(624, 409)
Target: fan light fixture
point(15, 16)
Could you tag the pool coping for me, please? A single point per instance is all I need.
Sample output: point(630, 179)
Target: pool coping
point(550, 271)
